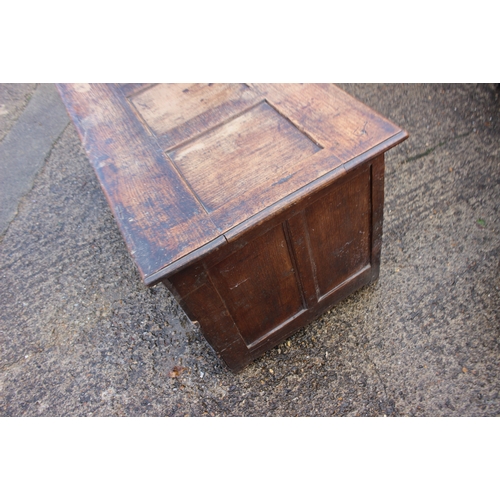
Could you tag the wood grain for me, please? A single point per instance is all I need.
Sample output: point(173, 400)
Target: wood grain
point(377, 175)
point(159, 217)
point(331, 116)
point(339, 230)
point(172, 215)
point(257, 149)
point(130, 89)
point(260, 277)
point(177, 112)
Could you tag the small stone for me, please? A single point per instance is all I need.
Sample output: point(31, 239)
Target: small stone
point(176, 371)
point(271, 371)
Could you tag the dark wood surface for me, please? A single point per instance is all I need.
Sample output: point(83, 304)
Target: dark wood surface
point(258, 205)
point(259, 285)
point(185, 167)
point(338, 231)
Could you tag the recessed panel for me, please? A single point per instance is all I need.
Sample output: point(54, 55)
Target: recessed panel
point(259, 286)
point(339, 227)
point(177, 112)
point(258, 148)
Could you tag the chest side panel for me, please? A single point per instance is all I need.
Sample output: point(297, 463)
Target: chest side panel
point(259, 285)
point(339, 232)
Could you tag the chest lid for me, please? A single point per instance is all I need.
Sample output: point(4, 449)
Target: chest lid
point(184, 167)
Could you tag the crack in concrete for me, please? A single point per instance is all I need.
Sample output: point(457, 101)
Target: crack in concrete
point(26, 148)
point(22, 199)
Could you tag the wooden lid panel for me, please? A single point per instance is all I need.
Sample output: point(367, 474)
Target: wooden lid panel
point(157, 213)
point(330, 116)
point(250, 152)
point(178, 112)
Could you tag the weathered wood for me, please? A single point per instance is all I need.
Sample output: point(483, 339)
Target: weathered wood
point(178, 112)
point(260, 145)
point(259, 278)
point(338, 228)
point(258, 205)
point(130, 89)
point(160, 218)
point(327, 246)
point(377, 193)
point(329, 115)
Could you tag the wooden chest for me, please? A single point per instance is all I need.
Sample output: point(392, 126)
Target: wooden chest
point(260, 206)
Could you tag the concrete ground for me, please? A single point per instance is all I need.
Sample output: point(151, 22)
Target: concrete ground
point(81, 335)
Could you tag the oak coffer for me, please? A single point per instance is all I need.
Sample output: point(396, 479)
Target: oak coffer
point(258, 205)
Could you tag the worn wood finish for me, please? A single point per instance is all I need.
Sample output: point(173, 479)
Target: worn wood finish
point(160, 218)
point(178, 112)
point(260, 277)
point(338, 231)
point(130, 89)
point(330, 116)
point(260, 145)
point(258, 205)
